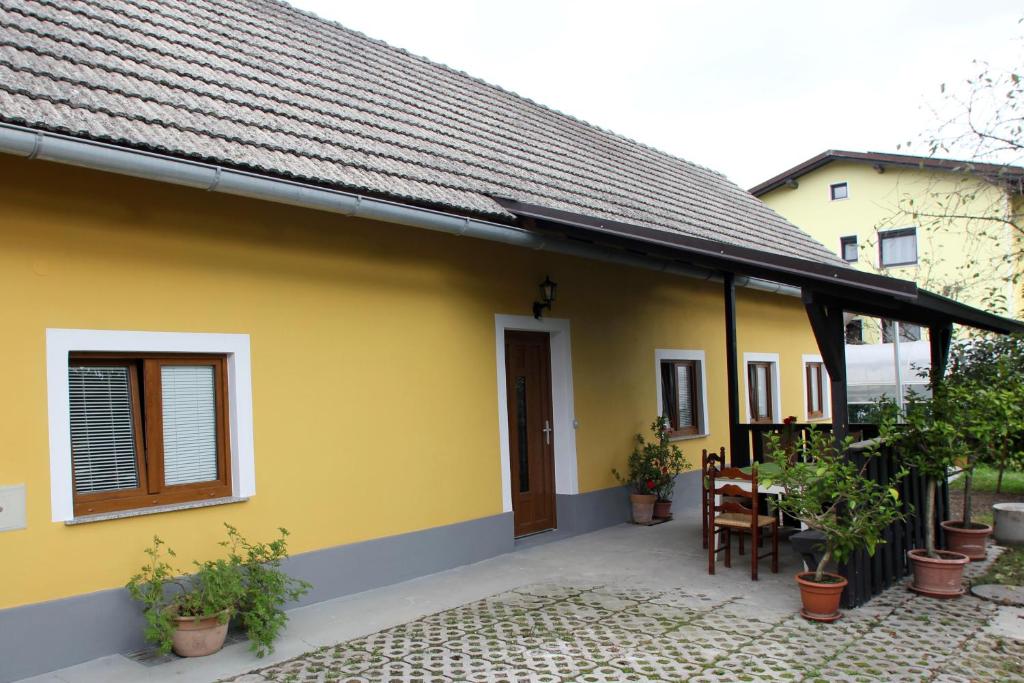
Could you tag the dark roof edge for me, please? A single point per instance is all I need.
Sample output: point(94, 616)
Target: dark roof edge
point(990, 171)
point(968, 315)
point(787, 269)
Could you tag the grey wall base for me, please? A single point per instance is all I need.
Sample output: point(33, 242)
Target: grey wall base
point(586, 512)
point(51, 635)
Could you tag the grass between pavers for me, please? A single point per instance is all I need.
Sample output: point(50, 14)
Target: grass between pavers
point(985, 479)
point(1008, 569)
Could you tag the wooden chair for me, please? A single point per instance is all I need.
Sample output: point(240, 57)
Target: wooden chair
point(727, 515)
point(706, 498)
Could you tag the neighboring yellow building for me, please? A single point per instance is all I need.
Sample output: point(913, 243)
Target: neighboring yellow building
point(943, 224)
point(263, 270)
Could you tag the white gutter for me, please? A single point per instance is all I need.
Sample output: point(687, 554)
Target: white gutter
point(32, 144)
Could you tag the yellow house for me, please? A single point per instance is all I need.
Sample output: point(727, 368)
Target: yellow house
point(945, 224)
point(263, 270)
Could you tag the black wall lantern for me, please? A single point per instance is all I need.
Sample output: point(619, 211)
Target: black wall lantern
point(547, 295)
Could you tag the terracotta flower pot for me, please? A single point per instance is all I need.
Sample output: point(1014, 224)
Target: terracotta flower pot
point(662, 509)
point(198, 637)
point(938, 577)
point(643, 507)
point(970, 542)
point(820, 600)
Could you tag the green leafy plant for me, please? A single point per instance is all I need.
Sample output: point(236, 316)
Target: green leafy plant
point(214, 589)
point(825, 490)
point(653, 466)
point(248, 582)
point(267, 588)
point(928, 442)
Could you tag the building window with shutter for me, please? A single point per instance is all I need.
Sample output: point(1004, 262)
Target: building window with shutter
point(814, 376)
point(147, 430)
point(897, 247)
point(681, 391)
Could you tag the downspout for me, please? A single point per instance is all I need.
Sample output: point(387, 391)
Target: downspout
point(32, 144)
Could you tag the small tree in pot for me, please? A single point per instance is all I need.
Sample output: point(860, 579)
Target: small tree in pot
point(650, 467)
point(985, 385)
point(827, 492)
point(931, 445)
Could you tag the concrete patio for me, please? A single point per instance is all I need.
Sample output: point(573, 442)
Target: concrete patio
point(623, 604)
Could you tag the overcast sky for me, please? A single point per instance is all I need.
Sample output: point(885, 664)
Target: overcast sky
point(746, 88)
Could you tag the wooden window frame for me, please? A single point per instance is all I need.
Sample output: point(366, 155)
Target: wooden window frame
point(752, 391)
point(832, 190)
point(811, 413)
point(672, 400)
point(147, 415)
point(883, 235)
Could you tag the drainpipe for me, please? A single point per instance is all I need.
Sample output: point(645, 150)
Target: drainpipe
point(33, 144)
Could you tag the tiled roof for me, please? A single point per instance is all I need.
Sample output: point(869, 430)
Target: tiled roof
point(262, 86)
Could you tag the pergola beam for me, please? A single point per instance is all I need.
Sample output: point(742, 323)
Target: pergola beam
point(830, 334)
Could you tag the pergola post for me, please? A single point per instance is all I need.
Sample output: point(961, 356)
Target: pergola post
point(739, 447)
point(830, 333)
point(941, 339)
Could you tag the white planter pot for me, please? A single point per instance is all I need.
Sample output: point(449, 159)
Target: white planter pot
point(1009, 523)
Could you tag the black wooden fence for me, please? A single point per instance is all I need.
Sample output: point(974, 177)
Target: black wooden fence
point(870, 575)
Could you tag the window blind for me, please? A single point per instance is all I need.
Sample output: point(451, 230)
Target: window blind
point(815, 382)
point(102, 429)
point(684, 381)
point(190, 423)
point(901, 248)
point(761, 384)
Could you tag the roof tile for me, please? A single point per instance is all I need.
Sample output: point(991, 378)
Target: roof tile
point(260, 85)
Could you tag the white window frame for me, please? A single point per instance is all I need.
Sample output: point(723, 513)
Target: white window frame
point(703, 428)
point(62, 342)
point(773, 359)
point(826, 389)
point(839, 182)
point(562, 403)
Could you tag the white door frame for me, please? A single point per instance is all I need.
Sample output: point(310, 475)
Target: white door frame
point(566, 476)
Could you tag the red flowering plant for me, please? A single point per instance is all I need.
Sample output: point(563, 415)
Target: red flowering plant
point(653, 466)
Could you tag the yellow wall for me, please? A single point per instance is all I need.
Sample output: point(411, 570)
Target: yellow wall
point(948, 255)
point(375, 401)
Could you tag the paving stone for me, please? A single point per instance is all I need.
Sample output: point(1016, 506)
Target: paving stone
point(612, 601)
point(554, 633)
point(400, 640)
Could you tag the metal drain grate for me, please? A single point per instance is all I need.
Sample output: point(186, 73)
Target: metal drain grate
point(150, 656)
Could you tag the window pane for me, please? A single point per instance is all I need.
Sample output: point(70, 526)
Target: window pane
point(761, 373)
point(102, 429)
point(840, 191)
point(850, 249)
point(524, 452)
point(910, 332)
point(899, 249)
point(190, 423)
point(684, 381)
point(815, 380)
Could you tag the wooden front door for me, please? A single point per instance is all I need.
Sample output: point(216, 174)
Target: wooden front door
point(530, 430)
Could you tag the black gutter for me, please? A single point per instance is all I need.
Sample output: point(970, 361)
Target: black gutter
point(720, 255)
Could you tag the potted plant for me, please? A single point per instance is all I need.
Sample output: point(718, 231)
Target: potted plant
point(827, 492)
point(189, 614)
point(648, 467)
point(986, 387)
point(932, 445)
point(669, 461)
